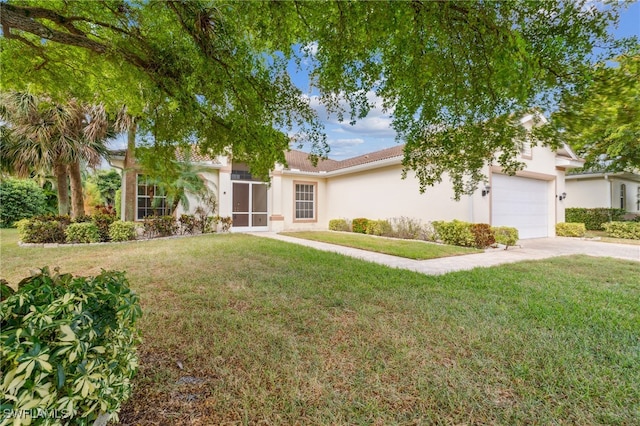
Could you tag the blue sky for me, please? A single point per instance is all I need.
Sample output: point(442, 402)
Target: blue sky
point(374, 132)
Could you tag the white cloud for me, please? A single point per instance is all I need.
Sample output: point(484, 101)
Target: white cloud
point(343, 143)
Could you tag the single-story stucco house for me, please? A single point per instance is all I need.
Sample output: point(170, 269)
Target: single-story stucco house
point(302, 196)
point(611, 190)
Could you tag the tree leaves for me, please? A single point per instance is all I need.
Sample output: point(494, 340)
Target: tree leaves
point(216, 72)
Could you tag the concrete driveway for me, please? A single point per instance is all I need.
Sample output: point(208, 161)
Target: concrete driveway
point(540, 248)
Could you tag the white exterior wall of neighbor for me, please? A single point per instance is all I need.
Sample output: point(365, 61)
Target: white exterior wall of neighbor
point(603, 190)
point(588, 193)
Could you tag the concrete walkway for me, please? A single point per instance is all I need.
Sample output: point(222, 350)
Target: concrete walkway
point(540, 248)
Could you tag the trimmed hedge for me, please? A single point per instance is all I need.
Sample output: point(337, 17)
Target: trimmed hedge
point(68, 346)
point(570, 229)
point(483, 235)
point(593, 219)
point(456, 232)
point(85, 232)
point(339, 225)
point(506, 235)
point(628, 230)
point(359, 225)
point(379, 227)
point(42, 231)
point(122, 231)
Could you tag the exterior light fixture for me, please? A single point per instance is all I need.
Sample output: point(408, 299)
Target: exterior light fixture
point(562, 196)
point(486, 190)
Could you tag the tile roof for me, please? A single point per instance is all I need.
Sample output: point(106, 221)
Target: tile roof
point(300, 160)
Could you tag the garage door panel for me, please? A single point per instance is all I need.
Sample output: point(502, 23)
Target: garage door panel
point(521, 203)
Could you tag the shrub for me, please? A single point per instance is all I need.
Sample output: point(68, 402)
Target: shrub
point(42, 232)
point(225, 222)
point(629, 230)
point(86, 232)
point(406, 227)
point(117, 205)
point(68, 344)
point(20, 199)
point(205, 223)
point(483, 235)
point(506, 235)
point(570, 229)
point(359, 225)
point(379, 227)
point(339, 225)
point(160, 226)
point(122, 231)
point(187, 223)
point(593, 219)
point(103, 222)
point(456, 232)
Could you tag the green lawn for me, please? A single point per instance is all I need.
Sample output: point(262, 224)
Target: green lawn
point(275, 333)
point(411, 249)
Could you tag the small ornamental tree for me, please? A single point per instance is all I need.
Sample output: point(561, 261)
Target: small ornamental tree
point(20, 199)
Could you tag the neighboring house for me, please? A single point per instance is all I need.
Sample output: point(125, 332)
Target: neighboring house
point(303, 196)
point(598, 189)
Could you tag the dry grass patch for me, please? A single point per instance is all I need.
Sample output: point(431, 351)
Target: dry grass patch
point(244, 330)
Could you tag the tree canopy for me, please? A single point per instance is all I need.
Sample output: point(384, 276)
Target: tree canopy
point(602, 123)
point(455, 76)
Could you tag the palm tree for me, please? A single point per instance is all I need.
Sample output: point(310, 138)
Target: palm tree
point(40, 134)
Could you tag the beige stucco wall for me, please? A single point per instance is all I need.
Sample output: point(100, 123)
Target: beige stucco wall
point(382, 194)
point(211, 179)
point(286, 203)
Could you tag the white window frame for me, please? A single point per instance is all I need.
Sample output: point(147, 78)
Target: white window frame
point(166, 209)
point(305, 194)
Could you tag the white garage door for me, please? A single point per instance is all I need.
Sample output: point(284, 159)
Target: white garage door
point(521, 203)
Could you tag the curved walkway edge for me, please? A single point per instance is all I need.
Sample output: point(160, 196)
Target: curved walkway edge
point(534, 249)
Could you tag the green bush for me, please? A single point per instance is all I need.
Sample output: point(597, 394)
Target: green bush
point(628, 230)
point(122, 231)
point(225, 222)
point(160, 226)
point(20, 199)
point(506, 235)
point(85, 232)
point(456, 233)
point(42, 231)
point(103, 222)
point(483, 235)
point(339, 225)
point(379, 227)
point(359, 225)
point(593, 219)
point(68, 346)
point(570, 229)
point(407, 228)
point(117, 205)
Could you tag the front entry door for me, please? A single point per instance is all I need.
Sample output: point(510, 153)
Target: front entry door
point(249, 206)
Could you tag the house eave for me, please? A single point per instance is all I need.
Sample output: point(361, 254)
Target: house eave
point(392, 161)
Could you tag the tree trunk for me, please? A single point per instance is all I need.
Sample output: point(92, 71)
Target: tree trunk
point(130, 184)
point(60, 170)
point(77, 199)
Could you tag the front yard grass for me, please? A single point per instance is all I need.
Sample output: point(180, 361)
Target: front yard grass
point(411, 249)
point(246, 330)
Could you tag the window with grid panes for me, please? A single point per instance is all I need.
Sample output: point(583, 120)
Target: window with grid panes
point(150, 201)
point(305, 201)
